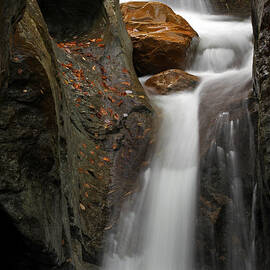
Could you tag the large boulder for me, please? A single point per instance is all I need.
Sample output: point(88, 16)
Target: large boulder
point(161, 39)
point(170, 81)
point(72, 141)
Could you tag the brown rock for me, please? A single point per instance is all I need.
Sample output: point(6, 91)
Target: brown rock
point(171, 80)
point(161, 39)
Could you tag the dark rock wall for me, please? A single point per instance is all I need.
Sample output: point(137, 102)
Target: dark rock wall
point(240, 8)
point(10, 13)
point(30, 183)
point(64, 18)
point(260, 102)
point(72, 142)
point(224, 237)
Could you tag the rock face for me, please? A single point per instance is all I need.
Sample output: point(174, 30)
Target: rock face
point(161, 39)
point(170, 81)
point(240, 8)
point(260, 102)
point(72, 141)
point(10, 13)
point(217, 224)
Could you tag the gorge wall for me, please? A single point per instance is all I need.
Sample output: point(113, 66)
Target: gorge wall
point(260, 102)
point(72, 141)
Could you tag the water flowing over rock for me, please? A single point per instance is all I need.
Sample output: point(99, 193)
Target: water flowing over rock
point(170, 81)
point(225, 222)
point(72, 140)
point(227, 178)
point(161, 39)
point(200, 6)
point(226, 186)
point(76, 127)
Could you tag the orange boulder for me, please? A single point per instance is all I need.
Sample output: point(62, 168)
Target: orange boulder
point(170, 81)
point(161, 39)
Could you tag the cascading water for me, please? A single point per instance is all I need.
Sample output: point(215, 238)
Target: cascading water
point(200, 6)
point(164, 221)
point(156, 228)
point(226, 156)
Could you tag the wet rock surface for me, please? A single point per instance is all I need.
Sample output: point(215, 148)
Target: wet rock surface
point(171, 81)
point(10, 13)
point(225, 128)
point(73, 137)
point(259, 105)
point(161, 39)
point(241, 8)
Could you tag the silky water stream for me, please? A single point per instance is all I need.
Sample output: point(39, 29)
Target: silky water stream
point(156, 230)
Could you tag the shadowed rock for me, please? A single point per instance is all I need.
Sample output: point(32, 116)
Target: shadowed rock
point(241, 8)
point(72, 142)
point(10, 13)
point(260, 108)
point(224, 127)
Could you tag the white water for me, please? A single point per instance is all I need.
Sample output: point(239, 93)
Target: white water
point(241, 231)
point(200, 6)
point(156, 230)
point(169, 196)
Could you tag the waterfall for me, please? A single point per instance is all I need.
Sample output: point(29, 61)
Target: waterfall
point(167, 231)
point(201, 6)
point(240, 234)
point(156, 230)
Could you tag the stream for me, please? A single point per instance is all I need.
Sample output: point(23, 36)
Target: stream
point(157, 226)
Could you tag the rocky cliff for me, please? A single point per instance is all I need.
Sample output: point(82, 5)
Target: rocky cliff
point(260, 102)
point(72, 138)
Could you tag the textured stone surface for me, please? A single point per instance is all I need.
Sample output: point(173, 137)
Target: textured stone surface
point(261, 102)
point(226, 167)
point(170, 81)
point(161, 39)
point(72, 141)
point(240, 8)
point(10, 12)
